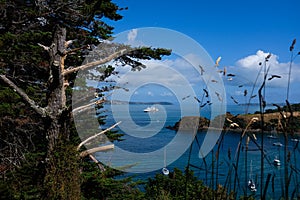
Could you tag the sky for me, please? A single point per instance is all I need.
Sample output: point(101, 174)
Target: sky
point(243, 33)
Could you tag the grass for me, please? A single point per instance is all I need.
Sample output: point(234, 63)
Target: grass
point(266, 182)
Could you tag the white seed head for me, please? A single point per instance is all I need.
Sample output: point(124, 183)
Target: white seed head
point(229, 120)
point(234, 125)
point(254, 119)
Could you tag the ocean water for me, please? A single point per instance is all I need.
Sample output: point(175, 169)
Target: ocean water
point(146, 132)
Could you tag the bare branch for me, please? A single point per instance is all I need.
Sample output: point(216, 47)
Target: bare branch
point(44, 47)
point(82, 108)
point(101, 167)
point(96, 149)
point(77, 49)
point(96, 135)
point(99, 62)
point(41, 111)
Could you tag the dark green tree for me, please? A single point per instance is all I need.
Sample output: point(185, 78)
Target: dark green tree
point(42, 46)
point(178, 185)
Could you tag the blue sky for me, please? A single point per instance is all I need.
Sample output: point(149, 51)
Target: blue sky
point(231, 28)
point(241, 32)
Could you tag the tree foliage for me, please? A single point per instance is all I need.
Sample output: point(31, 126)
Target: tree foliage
point(179, 185)
point(42, 46)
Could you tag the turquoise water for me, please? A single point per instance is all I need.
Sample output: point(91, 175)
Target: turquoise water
point(211, 170)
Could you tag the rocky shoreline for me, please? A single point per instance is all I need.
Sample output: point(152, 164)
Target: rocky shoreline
point(237, 123)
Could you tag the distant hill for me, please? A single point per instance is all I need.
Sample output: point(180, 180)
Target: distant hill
point(284, 107)
point(272, 121)
point(135, 102)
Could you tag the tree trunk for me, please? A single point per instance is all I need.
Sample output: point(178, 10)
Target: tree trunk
point(62, 179)
point(62, 170)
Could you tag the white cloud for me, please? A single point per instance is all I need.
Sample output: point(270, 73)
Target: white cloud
point(175, 73)
point(155, 72)
point(253, 61)
point(249, 67)
point(246, 71)
point(160, 72)
point(132, 35)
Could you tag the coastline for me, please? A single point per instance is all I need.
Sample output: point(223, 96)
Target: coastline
point(271, 123)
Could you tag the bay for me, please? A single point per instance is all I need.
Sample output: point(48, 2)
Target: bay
point(212, 169)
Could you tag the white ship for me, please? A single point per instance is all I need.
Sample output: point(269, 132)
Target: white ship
point(151, 109)
point(276, 161)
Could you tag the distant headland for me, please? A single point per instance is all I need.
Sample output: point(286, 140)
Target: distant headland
point(137, 102)
point(274, 120)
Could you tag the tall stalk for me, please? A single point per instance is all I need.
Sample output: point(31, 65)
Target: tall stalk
point(188, 169)
point(289, 79)
point(237, 156)
point(286, 156)
point(262, 144)
point(262, 105)
point(286, 170)
point(246, 165)
point(252, 90)
point(295, 163)
point(290, 68)
point(227, 183)
point(220, 141)
point(212, 169)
